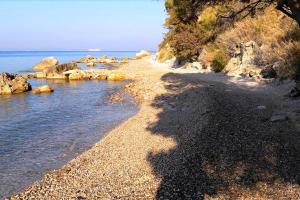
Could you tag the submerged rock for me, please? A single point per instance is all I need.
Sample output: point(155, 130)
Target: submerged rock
point(13, 84)
point(46, 63)
point(42, 89)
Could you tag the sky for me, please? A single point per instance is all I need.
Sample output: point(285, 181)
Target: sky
point(81, 24)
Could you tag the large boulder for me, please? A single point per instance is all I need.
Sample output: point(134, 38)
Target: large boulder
point(46, 63)
point(13, 84)
point(244, 57)
point(57, 72)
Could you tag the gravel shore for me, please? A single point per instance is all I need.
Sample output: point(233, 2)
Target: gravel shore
point(191, 139)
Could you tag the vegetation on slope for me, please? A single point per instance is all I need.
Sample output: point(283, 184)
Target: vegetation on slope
point(216, 27)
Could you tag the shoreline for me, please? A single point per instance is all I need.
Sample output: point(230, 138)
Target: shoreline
point(144, 157)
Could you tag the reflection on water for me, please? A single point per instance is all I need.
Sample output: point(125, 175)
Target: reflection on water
point(42, 132)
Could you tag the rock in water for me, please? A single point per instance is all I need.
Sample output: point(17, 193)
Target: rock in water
point(46, 63)
point(77, 75)
point(56, 72)
point(13, 84)
point(91, 64)
point(42, 89)
point(87, 59)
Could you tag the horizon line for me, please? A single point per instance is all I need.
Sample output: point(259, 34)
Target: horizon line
point(74, 50)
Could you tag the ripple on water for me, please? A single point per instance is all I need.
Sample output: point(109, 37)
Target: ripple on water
point(42, 132)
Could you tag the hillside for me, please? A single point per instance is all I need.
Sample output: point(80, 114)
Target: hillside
point(239, 38)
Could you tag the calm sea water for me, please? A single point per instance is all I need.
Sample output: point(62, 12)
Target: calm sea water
point(13, 61)
point(42, 132)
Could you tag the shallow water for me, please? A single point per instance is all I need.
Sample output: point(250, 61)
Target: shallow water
point(42, 132)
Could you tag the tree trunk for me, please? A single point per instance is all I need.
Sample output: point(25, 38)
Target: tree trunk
point(291, 8)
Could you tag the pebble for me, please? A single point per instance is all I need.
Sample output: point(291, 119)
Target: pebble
point(261, 107)
point(276, 118)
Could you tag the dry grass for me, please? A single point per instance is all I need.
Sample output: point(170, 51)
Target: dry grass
point(277, 36)
point(165, 53)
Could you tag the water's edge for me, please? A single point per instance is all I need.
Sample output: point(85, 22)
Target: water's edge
point(42, 133)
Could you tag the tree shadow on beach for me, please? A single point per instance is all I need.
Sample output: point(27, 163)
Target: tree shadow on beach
point(224, 142)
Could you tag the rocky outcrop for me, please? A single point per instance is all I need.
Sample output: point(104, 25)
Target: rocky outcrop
point(91, 64)
point(13, 84)
point(42, 89)
point(87, 59)
point(78, 75)
point(57, 72)
point(46, 63)
point(142, 54)
point(91, 61)
point(243, 61)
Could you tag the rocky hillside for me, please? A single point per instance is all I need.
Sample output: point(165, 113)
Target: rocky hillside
point(237, 37)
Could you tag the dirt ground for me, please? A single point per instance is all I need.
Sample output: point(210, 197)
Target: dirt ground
point(194, 137)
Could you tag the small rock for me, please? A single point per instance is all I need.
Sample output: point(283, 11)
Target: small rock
point(261, 107)
point(268, 72)
point(295, 92)
point(42, 89)
point(276, 118)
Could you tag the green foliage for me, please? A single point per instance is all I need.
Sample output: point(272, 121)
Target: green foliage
point(195, 25)
point(219, 61)
point(190, 29)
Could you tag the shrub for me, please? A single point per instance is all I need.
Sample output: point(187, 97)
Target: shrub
point(219, 61)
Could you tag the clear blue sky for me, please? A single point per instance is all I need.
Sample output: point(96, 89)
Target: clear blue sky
point(81, 24)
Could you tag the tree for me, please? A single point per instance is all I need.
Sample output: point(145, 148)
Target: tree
point(290, 7)
point(187, 9)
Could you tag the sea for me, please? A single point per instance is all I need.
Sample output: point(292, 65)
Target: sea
point(40, 133)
